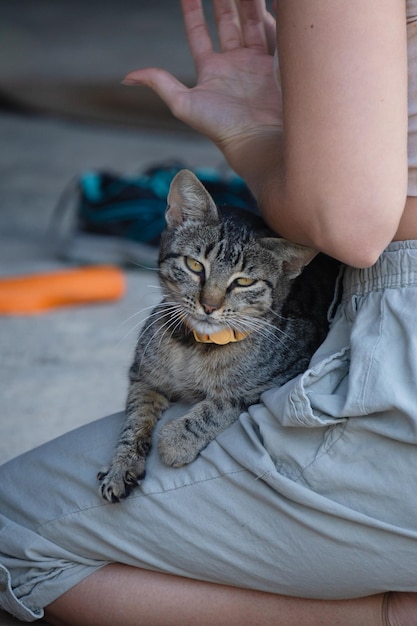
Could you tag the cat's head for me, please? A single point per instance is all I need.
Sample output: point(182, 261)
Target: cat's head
point(222, 268)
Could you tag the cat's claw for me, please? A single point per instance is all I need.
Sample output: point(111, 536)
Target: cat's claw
point(176, 445)
point(116, 483)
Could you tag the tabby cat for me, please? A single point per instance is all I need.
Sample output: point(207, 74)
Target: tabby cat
point(234, 321)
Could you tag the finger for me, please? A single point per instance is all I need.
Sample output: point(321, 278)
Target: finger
point(228, 24)
point(270, 32)
point(255, 21)
point(196, 29)
point(168, 88)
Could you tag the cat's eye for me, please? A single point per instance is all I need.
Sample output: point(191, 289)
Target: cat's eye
point(242, 281)
point(194, 265)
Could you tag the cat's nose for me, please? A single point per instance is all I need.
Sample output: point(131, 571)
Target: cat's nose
point(209, 307)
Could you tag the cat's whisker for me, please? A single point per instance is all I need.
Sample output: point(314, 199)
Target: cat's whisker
point(138, 323)
point(145, 348)
point(176, 323)
point(142, 266)
point(129, 332)
point(275, 329)
point(262, 327)
point(283, 333)
point(279, 316)
point(158, 314)
point(169, 309)
point(134, 327)
point(164, 328)
point(266, 323)
point(248, 322)
point(249, 326)
point(151, 306)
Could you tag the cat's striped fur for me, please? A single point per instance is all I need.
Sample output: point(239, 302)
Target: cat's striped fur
point(219, 268)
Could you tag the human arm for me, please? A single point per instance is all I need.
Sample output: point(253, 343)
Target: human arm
point(327, 161)
point(343, 69)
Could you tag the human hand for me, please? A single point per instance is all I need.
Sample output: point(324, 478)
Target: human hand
point(235, 99)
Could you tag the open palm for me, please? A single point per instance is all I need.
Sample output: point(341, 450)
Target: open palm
point(235, 94)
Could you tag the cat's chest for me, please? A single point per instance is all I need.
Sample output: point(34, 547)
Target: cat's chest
point(196, 370)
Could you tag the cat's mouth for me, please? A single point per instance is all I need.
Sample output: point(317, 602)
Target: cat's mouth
point(219, 334)
point(206, 327)
point(222, 337)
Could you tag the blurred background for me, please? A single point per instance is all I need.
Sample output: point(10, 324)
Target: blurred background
point(69, 57)
point(62, 112)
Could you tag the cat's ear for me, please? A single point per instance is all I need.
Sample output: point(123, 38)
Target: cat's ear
point(293, 256)
point(188, 199)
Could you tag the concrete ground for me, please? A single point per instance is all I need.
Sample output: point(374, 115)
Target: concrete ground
point(63, 111)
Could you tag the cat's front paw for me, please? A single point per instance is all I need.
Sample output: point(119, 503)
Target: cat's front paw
point(117, 481)
point(177, 445)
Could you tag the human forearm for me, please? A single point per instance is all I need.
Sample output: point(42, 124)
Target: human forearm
point(309, 213)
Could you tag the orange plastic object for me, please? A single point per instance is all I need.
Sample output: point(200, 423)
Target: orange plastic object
point(29, 294)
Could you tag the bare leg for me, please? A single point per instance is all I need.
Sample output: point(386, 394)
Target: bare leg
point(120, 594)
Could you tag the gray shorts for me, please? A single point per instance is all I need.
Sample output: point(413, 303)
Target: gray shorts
point(312, 493)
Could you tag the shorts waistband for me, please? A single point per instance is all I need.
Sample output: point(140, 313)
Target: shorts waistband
point(395, 268)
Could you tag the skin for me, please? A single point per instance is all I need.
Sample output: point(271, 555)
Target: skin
point(336, 181)
point(342, 91)
point(173, 601)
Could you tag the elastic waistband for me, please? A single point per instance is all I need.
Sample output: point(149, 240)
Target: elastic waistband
point(396, 267)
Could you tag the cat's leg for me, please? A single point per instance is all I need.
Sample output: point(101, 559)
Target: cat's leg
point(143, 409)
point(181, 440)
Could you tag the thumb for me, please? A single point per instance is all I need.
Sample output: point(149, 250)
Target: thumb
point(168, 88)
